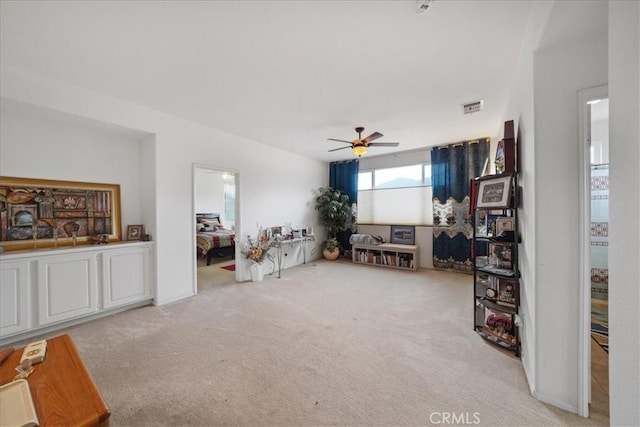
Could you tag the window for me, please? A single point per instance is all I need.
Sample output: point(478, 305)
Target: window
point(365, 180)
point(395, 195)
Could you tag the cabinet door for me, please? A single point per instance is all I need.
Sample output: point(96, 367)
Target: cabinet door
point(125, 276)
point(14, 297)
point(67, 287)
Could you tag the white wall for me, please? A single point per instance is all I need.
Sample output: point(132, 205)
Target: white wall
point(560, 71)
point(520, 110)
point(270, 192)
point(560, 56)
point(624, 225)
point(43, 144)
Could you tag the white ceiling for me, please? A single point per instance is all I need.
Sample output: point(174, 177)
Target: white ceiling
point(285, 73)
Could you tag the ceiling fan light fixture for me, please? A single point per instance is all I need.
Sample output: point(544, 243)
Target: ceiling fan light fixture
point(359, 150)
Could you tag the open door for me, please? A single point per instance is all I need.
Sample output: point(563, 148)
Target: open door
point(594, 334)
point(215, 216)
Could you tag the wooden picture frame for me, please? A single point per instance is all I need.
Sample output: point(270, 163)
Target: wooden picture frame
point(135, 232)
point(41, 213)
point(494, 191)
point(403, 234)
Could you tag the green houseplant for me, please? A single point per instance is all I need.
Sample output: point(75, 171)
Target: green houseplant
point(333, 212)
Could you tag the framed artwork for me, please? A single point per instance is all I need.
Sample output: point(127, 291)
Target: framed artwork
point(56, 213)
point(504, 223)
point(276, 231)
point(135, 232)
point(403, 234)
point(501, 255)
point(506, 293)
point(494, 192)
point(492, 225)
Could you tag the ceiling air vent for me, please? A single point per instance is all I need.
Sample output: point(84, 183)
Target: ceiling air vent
point(472, 107)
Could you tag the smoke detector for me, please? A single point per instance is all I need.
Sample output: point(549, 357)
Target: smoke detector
point(423, 5)
point(472, 107)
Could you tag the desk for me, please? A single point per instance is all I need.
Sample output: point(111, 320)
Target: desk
point(62, 390)
point(291, 242)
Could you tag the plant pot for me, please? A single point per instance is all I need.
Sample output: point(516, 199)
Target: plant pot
point(255, 270)
point(331, 255)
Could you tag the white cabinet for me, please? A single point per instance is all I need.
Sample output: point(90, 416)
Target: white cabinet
point(50, 288)
point(14, 297)
point(125, 276)
point(67, 286)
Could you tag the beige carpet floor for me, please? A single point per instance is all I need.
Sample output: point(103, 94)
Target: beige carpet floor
point(330, 343)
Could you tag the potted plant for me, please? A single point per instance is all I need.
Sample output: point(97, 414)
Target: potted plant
point(333, 212)
point(331, 249)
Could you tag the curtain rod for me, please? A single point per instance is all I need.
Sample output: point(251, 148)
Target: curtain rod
point(457, 144)
point(344, 161)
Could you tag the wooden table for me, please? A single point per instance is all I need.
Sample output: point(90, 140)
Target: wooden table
point(62, 390)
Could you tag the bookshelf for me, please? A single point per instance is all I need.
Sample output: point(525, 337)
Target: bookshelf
point(389, 255)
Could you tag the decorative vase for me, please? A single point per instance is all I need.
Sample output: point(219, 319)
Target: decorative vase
point(331, 255)
point(255, 269)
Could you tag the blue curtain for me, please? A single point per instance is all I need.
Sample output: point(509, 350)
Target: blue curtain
point(343, 176)
point(452, 169)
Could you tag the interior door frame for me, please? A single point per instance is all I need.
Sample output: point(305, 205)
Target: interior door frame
point(584, 329)
point(236, 180)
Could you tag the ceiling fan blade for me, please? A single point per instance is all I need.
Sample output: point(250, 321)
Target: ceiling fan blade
point(384, 144)
point(336, 149)
point(372, 137)
point(339, 140)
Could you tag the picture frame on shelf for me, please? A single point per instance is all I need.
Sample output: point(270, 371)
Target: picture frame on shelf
point(494, 192)
point(57, 213)
point(276, 231)
point(492, 225)
point(504, 223)
point(501, 255)
point(506, 294)
point(403, 234)
point(135, 232)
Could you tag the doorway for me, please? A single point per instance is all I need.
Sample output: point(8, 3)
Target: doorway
point(215, 217)
point(594, 252)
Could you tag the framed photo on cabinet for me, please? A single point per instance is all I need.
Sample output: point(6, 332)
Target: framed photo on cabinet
point(135, 232)
point(403, 234)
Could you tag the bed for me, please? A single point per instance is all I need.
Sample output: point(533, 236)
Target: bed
point(212, 238)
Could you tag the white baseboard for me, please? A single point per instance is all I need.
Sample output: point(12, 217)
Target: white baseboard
point(557, 403)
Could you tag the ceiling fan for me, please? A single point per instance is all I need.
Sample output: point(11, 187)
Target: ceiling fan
point(360, 145)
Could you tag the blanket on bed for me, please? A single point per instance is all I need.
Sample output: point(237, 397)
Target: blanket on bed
point(214, 239)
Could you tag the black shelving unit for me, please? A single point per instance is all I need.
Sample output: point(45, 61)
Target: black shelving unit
point(496, 278)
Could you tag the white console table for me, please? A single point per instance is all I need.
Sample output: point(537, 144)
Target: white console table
point(280, 245)
point(45, 289)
